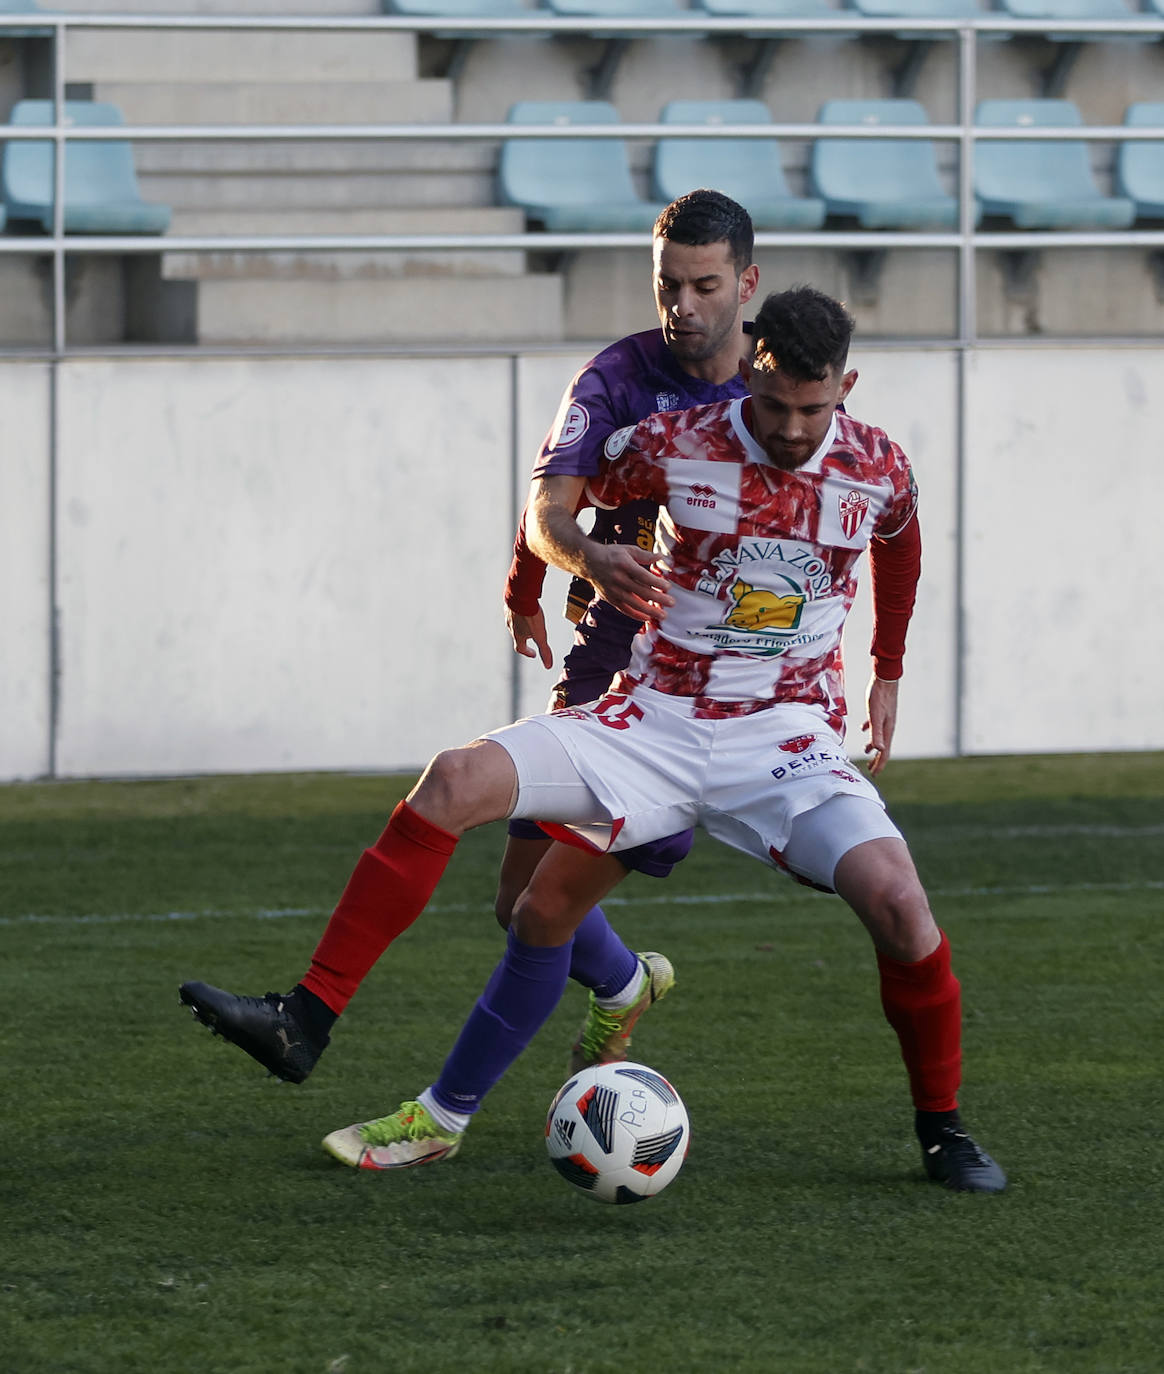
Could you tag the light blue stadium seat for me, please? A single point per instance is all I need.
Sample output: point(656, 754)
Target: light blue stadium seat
point(768, 9)
point(598, 79)
point(748, 170)
point(883, 183)
point(1047, 185)
point(1140, 166)
point(463, 41)
point(101, 193)
point(1066, 9)
point(616, 9)
point(754, 72)
point(581, 185)
point(917, 9)
point(905, 75)
point(21, 7)
point(1053, 79)
point(454, 9)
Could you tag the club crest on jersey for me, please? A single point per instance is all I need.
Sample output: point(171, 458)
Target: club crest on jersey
point(572, 423)
point(854, 506)
point(666, 400)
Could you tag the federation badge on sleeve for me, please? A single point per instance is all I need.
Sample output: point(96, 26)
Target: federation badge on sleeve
point(572, 423)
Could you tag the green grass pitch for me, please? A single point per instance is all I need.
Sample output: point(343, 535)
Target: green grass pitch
point(165, 1207)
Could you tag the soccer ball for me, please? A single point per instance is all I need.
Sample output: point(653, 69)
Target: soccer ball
point(618, 1131)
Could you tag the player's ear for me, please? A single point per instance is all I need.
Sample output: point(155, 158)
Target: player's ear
point(847, 384)
point(749, 280)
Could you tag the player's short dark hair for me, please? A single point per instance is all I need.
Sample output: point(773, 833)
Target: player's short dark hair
point(803, 332)
point(704, 216)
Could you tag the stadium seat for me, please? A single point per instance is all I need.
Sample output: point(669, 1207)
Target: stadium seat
point(916, 9)
point(882, 183)
point(748, 170)
point(578, 185)
point(101, 193)
point(1139, 168)
point(904, 76)
point(1053, 80)
point(754, 72)
point(1066, 9)
point(600, 77)
point(462, 40)
point(1048, 185)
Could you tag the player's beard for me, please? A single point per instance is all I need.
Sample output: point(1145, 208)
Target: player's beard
point(789, 460)
point(698, 346)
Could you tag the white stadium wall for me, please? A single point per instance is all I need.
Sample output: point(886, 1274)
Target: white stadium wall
point(1064, 574)
point(280, 564)
point(25, 593)
point(294, 563)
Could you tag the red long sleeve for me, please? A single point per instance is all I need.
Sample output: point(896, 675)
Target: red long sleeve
point(895, 566)
point(527, 574)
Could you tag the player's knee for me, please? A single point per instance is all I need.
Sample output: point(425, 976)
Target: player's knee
point(466, 787)
point(540, 917)
point(900, 921)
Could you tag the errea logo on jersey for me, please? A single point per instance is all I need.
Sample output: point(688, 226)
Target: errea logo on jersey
point(702, 495)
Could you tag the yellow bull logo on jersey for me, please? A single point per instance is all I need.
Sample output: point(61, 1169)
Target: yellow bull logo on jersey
point(759, 609)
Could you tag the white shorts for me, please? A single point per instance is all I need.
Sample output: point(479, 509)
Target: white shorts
point(633, 767)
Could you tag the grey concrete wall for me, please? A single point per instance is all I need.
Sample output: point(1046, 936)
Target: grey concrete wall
point(293, 563)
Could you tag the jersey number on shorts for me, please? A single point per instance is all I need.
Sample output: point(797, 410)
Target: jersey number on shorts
point(618, 711)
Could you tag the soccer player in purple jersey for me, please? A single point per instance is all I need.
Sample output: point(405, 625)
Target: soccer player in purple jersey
point(703, 277)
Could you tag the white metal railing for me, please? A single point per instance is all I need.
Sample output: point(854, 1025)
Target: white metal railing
point(966, 239)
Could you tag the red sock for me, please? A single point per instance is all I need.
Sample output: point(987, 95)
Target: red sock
point(923, 1004)
point(387, 891)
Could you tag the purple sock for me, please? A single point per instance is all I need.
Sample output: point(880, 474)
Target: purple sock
point(525, 987)
point(599, 959)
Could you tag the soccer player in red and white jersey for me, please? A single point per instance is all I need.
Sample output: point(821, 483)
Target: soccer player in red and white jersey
point(728, 716)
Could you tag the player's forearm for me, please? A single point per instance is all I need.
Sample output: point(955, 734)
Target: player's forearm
point(552, 530)
point(895, 565)
point(556, 538)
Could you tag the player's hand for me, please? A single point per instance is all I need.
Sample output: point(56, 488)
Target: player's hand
point(880, 722)
point(524, 628)
point(630, 579)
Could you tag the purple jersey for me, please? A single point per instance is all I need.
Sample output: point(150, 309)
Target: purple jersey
point(633, 378)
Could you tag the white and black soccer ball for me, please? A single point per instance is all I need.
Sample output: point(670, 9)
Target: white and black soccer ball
point(619, 1132)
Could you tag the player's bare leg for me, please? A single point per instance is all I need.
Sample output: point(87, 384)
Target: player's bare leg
point(922, 1001)
point(518, 863)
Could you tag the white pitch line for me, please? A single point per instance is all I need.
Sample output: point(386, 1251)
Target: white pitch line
point(678, 899)
point(1045, 832)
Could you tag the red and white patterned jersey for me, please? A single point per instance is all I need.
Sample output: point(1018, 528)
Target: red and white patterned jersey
point(761, 562)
